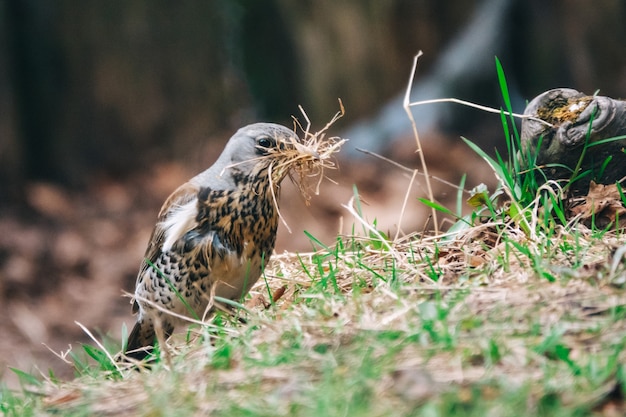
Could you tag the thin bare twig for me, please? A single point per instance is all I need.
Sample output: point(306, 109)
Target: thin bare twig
point(180, 316)
point(410, 170)
point(480, 107)
point(407, 108)
point(404, 203)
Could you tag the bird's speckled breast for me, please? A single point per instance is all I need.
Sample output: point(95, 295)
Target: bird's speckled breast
point(243, 229)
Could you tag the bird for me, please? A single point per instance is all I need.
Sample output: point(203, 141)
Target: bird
point(214, 234)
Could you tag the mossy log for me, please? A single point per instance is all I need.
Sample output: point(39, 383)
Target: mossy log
point(576, 134)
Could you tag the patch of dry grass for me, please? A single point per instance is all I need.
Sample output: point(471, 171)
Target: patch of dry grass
point(467, 320)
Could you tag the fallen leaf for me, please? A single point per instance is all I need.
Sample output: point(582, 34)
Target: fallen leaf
point(602, 206)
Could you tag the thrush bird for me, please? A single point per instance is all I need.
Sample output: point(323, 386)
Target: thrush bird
point(215, 233)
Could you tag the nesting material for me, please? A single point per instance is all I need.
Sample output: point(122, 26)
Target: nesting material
point(308, 160)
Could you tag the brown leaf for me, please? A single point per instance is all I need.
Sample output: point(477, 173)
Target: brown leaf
point(279, 293)
point(603, 205)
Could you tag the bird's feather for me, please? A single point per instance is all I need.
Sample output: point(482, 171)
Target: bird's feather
point(180, 206)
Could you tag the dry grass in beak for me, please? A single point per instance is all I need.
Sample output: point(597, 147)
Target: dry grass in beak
point(306, 159)
point(315, 154)
point(309, 158)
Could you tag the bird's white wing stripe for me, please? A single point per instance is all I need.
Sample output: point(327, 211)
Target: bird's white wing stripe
point(179, 221)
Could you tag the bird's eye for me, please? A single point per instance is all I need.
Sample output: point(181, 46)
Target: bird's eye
point(265, 142)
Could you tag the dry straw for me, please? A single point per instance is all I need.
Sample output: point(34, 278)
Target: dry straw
point(305, 160)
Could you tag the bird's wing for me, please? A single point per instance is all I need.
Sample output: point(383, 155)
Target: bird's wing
point(176, 217)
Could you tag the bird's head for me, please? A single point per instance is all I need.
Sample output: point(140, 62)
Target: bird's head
point(266, 149)
point(272, 151)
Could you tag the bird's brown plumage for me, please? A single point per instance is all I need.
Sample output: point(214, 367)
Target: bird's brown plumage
point(214, 234)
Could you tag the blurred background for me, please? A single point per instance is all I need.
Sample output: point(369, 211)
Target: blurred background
point(106, 107)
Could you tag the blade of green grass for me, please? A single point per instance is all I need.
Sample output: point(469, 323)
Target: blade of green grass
point(174, 289)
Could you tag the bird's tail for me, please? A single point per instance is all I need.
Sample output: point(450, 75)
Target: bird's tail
point(141, 340)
